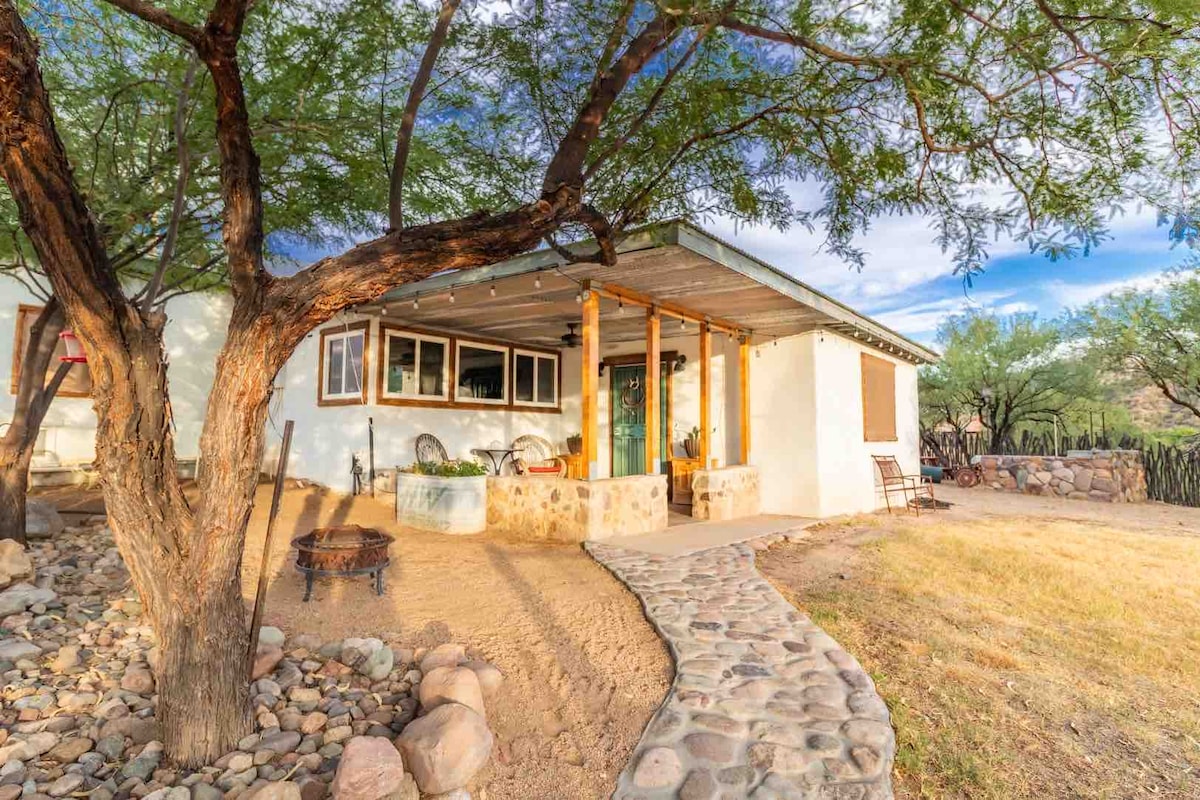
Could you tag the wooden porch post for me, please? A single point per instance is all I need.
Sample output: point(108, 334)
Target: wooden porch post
point(744, 397)
point(590, 382)
point(653, 401)
point(705, 393)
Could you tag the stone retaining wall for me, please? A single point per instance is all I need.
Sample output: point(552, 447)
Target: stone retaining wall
point(1107, 476)
point(565, 510)
point(728, 493)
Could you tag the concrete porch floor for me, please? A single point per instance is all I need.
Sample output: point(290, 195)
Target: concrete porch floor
point(693, 537)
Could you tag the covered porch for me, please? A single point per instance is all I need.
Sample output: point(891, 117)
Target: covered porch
point(641, 376)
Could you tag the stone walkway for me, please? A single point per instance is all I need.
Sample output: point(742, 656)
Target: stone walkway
point(764, 705)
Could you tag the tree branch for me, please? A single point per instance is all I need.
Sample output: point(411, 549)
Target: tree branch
point(416, 93)
point(162, 19)
point(181, 183)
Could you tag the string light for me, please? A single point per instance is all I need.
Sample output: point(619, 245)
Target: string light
point(493, 289)
point(578, 298)
point(451, 297)
point(416, 302)
point(537, 282)
point(383, 311)
point(620, 306)
point(682, 323)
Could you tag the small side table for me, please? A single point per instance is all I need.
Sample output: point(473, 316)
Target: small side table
point(575, 466)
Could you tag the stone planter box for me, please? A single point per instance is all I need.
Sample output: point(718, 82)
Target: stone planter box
point(442, 505)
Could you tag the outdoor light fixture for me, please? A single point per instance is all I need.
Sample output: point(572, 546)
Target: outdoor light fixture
point(74, 354)
point(620, 306)
point(578, 298)
point(492, 291)
point(416, 302)
point(451, 297)
point(383, 311)
point(537, 282)
point(682, 323)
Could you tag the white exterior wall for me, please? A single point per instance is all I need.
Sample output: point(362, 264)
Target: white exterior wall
point(325, 437)
point(194, 334)
point(807, 426)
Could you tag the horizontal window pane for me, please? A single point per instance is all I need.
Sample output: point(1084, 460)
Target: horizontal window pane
point(524, 379)
point(547, 380)
point(480, 373)
point(433, 368)
point(402, 365)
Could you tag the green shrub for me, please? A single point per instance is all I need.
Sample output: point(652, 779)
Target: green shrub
point(447, 469)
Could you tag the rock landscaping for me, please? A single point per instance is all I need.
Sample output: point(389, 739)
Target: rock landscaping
point(1106, 476)
point(764, 705)
point(356, 719)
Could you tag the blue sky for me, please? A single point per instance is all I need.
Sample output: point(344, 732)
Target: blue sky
point(909, 285)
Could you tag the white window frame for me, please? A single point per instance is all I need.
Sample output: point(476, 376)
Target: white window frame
point(388, 333)
point(329, 338)
point(535, 355)
point(459, 344)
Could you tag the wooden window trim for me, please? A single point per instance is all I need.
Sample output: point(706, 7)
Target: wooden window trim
point(866, 360)
point(385, 398)
point(512, 371)
point(334, 330)
point(452, 367)
point(26, 314)
point(478, 344)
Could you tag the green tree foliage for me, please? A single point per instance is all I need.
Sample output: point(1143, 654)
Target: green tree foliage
point(1151, 336)
point(1005, 371)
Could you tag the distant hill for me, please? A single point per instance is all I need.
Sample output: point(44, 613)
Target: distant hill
point(1150, 411)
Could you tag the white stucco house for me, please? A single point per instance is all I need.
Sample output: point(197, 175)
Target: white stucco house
point(787, 393)
point(792, 391)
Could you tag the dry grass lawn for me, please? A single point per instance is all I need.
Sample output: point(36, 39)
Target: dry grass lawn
point(1022, 655)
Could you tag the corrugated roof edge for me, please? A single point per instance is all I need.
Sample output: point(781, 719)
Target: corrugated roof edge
point(691, 236)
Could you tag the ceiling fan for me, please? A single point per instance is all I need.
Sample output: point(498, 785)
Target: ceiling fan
point(571, 338)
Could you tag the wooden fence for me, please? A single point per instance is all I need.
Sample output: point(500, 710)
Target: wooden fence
point(1172, 473)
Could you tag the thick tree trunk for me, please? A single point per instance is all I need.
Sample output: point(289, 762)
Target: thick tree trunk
point(14, 482)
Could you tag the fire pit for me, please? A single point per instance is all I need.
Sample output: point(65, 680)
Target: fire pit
point(340, 551)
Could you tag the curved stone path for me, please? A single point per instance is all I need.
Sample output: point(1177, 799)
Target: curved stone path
point(764, 705)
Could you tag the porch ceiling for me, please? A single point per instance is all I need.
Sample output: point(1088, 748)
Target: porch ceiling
point(675, 264)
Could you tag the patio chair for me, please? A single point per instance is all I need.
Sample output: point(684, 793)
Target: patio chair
point(913, 488)
point(537, 458)
point(430, 450)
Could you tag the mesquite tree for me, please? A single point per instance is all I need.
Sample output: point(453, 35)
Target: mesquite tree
point(136, 115)
point(557, 116)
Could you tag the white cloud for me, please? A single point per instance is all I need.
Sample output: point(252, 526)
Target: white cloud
point(901, 253)
point(1074, 295)
point(925, 317)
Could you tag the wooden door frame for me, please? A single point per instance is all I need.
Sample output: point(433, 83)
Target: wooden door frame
point(634, 359)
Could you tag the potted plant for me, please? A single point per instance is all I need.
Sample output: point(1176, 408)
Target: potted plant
point(575, 444)
point(691, 443)
point(445, 497)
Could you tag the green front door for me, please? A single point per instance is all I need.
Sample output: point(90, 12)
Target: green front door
point(627, 395)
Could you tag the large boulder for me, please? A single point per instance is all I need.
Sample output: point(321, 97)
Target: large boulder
point(15, 564)
point(445, 655)
point(451, 685)
point(490, 677)
point(41, 519)
point(370, 768)
point(445, 748)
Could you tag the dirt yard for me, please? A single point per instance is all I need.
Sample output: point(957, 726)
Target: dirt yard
point(583, 669)
point(1027, 647)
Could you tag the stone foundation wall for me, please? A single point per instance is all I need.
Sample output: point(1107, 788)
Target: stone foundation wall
point(728, 493)
point(1107, 476)
point(565, 510)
